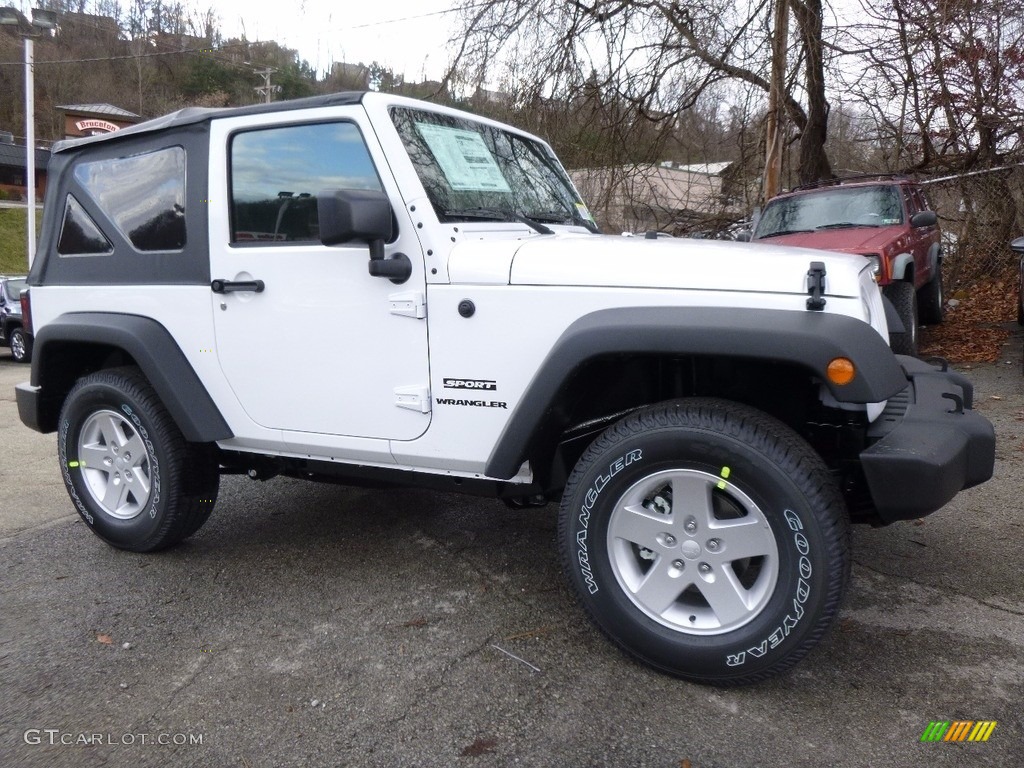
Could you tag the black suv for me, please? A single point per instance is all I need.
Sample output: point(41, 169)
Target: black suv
point(12, 329)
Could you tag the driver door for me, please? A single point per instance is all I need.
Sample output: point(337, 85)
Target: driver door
point(318, 348)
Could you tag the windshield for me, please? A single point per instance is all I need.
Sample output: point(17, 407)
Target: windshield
point(13, 289)
point(869, 206)
point(473, 171)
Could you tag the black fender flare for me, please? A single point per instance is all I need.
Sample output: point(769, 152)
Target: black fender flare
point(808, 339)
point(156, 353)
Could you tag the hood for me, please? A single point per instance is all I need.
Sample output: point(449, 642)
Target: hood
point(849, 240)
point(634, 262)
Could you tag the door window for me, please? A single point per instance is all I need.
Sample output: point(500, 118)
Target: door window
point(277, 174)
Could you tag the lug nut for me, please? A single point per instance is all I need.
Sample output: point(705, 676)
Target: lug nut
point(690, 526)
point(713, 545)
point(678, 565)
point(670, 540)
point(705, 568)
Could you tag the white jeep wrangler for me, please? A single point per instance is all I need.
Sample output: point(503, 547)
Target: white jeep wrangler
point(370, 289)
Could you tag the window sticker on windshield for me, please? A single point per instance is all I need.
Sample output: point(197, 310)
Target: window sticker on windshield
point(887, 222)
point(584, 211)
point(464, 159)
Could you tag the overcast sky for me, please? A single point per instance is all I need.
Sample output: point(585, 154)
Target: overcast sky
point(408, 36)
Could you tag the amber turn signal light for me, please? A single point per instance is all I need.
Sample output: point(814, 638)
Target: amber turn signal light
point(841, 371)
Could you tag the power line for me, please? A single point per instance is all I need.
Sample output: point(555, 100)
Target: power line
point(152, 54)
point(420, 16)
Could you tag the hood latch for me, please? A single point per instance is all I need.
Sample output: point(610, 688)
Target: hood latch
point(816, 286)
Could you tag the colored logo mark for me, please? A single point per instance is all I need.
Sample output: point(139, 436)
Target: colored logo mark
point(958, 730)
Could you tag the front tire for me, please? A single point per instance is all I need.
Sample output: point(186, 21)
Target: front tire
point(904, 299)
point(706, 539)
point(133, 477)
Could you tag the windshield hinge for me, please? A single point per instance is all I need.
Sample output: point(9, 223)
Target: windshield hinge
point(413, 398)
point(408, 304)
point(816, 286)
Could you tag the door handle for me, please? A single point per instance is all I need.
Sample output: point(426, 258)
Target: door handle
point(227, 286)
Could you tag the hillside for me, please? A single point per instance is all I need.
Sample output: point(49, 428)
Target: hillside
point(13, 258)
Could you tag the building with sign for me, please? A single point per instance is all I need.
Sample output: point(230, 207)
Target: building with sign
point(92, 119)
point(79, 120)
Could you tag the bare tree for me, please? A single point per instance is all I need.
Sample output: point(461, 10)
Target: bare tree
point(944, 80)
point(658, 57)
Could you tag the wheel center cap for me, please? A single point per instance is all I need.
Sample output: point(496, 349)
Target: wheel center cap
point(691, 549)
point(119, 462)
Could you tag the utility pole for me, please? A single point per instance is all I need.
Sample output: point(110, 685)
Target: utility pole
point(777, 87)
point(267, 90)
point(43, 22)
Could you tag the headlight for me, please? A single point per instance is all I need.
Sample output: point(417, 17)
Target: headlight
point(876, 265)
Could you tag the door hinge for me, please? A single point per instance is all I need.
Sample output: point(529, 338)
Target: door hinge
point(408, 304)
point(413, 398)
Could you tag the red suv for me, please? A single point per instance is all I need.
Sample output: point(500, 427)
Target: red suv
point(884, 218)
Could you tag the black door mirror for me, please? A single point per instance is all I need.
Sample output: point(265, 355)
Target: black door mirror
point(924, 219)
point(1018, 245)
point(362, 215)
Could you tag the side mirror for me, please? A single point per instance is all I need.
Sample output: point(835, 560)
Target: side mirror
point(354, 214)
point(348, 215)
point(1018, 245)
point(924, 219)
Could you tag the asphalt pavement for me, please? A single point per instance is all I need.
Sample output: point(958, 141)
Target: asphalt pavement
point(310, 625)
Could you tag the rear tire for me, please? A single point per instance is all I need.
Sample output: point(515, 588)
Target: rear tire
point(904, 299)
point(707, 539)
point(133, 477)
point(21, 346)
point(930, 300)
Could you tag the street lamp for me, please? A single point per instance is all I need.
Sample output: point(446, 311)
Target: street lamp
point(42, 21)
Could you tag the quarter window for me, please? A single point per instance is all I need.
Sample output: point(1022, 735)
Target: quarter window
point(79, 235)
point(144, 195)
point(277, 174)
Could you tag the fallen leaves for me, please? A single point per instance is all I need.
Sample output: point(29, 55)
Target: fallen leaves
point(972, 331)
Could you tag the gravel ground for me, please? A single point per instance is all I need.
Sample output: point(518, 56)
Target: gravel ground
point(317, 625)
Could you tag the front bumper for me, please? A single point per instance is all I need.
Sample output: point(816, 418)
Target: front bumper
point(927, 445)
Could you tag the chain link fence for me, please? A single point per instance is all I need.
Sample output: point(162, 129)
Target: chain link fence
point(980, 212)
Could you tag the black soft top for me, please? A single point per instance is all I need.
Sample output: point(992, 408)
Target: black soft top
point(193, 115)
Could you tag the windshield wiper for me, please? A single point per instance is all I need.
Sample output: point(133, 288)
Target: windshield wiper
point(845, 225)
point(780, 232)
point(555, 217)
point(497, 214)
